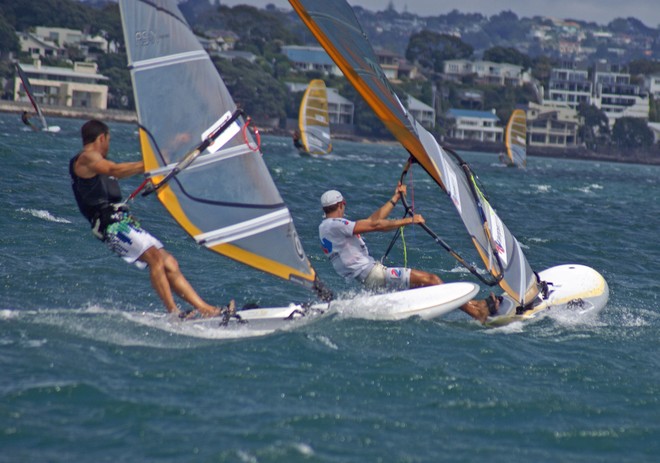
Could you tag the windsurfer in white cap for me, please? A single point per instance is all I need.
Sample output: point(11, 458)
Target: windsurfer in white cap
point(342, 243)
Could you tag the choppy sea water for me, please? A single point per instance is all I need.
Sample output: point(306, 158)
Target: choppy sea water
point(81, 381)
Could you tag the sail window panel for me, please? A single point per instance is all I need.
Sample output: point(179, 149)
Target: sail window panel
point(240, 230)
point(270, 245)
point(186, 114)
point(243, 180)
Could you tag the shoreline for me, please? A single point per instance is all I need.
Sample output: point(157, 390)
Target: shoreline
point(651, 157)
point(114, 115)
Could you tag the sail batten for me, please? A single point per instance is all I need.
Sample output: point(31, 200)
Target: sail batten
point(225, 198)
point(245, 229)
point(203, 161)
point(168, 60)
point(337, 29)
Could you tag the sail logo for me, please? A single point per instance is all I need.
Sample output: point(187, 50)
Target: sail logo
point(298, 246)
point(395, 273)
point(499, 237)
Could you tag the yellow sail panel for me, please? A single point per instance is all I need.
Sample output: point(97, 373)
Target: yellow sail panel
point(148, 155)
point(267, 265)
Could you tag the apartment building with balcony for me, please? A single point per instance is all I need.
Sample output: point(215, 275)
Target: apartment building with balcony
point(474, 125)
point(81, 87)
point(570, 85)
point(486, 72)
point(553, 125)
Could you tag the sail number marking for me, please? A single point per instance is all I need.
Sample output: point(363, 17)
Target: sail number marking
point(145, 38)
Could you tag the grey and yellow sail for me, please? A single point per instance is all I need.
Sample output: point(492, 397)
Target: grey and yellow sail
point(336, 28)
point(515, 139)
point(313, 119)
point(226, 199)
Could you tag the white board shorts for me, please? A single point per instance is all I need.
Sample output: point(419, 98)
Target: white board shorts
point(395, 278)
point(129, 241)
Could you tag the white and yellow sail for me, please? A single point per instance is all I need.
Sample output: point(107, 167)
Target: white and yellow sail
point(314, 120)
point(226, 199)
point(515, 139)
point(337, 29)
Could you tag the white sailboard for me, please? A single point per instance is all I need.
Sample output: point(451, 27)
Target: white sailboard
point(207, 170)
point(426, 303)
point(335, 26)
point(35, 104)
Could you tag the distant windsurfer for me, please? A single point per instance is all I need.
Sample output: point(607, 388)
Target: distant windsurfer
point(342, 243)
point(296, 140)
point(96, 189)
point(25, 117)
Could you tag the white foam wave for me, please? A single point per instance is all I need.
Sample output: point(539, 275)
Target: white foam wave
point(589, 188)
point(42, 214)
point(542, 188)
point(7, 314)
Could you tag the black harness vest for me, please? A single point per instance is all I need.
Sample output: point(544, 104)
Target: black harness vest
point(97, 198)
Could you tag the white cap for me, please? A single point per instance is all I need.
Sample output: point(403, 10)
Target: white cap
point(330, 198)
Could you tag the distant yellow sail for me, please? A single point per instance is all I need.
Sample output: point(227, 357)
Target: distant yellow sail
point(314, 120)
point(515, 139)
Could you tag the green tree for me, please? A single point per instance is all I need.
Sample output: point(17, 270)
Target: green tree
point(120, 91)
point(253, 89)
point(654, 110)
point(508, 55)
point(25, 14)
point(431, 49)
point(643, 66)
point(505, 27)
point(8, 40)
point(595, 128)
point(631, 132)
point(542, 67)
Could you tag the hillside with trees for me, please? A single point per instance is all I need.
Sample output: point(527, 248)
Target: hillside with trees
point(259, 86)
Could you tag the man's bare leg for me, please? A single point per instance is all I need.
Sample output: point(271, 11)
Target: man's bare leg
point(419, 278)
point(159, 279)
point(184, 289)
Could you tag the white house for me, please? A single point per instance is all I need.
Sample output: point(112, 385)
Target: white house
point(311, 59)
point(475, 125)
point(552, 124)
point(422, 112)
point(487, 71)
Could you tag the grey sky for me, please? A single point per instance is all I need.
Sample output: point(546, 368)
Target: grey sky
point(599, 11)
